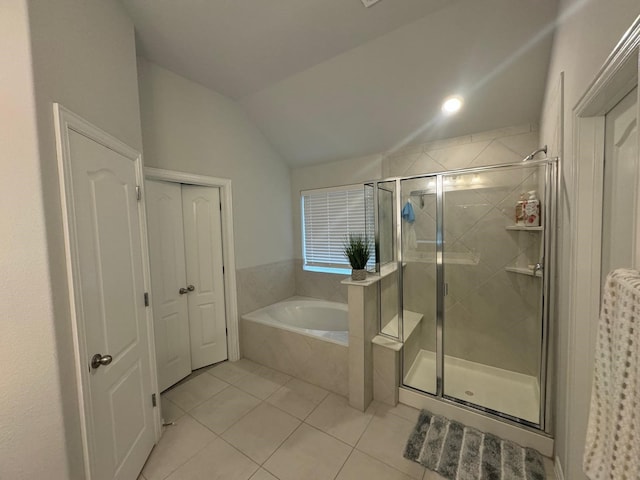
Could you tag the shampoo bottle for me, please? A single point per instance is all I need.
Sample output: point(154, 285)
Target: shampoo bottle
point(532, 210)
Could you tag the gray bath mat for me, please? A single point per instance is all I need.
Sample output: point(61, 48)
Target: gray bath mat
point(462, 453)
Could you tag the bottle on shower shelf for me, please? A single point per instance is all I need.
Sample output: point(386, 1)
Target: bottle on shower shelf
point(520, 210)
point(532, 210)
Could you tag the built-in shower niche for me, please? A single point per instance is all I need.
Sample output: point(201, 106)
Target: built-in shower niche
point(470, 288)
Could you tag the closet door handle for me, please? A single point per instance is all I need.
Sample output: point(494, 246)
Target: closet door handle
point(190, 288)
point(182, 291)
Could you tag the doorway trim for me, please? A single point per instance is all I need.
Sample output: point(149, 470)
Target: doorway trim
point(64, 122)
point(228, 253)
point(615, 79)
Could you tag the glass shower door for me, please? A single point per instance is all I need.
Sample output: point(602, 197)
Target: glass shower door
point(493, 285)
point(419, 282)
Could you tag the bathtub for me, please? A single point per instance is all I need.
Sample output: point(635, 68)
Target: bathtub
point(304, 337)
point(316, 318)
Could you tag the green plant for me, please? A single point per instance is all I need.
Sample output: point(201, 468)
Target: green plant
point(356, 249)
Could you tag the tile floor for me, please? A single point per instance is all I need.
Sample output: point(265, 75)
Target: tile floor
point(244, 421)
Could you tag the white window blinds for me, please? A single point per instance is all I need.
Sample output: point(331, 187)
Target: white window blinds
point(328, 216)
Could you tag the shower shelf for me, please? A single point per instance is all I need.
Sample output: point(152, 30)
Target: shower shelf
point(523, 228)
point(524, 271)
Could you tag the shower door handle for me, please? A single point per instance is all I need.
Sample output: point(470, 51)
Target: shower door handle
point(537, 267)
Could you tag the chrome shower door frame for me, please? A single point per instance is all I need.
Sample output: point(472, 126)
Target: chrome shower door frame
point(549, 219)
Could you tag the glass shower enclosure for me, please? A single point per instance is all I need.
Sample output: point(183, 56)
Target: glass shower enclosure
point(466, 287)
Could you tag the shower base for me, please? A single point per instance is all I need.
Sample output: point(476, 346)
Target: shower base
point(508, 392)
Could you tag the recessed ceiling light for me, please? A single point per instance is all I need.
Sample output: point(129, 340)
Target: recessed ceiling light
point(452, 104)
point(368, 3)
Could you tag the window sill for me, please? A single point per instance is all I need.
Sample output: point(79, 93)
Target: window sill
point(334, 270)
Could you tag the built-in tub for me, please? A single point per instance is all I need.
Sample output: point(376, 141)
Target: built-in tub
point(304, 337)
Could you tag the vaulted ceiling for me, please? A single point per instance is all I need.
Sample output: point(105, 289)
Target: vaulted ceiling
point(331, 79)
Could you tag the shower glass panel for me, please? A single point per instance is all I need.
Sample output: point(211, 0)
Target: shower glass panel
point(389, 318)
point(386, 221)
point(419, 282)
point(476, 287)
point(493, 292)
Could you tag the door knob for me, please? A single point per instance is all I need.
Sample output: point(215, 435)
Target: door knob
point(191, 288)
point(99, 359)
point(182, 291)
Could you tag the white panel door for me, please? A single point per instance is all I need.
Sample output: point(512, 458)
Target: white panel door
point(168, 277)
point(203, 248)
point(109, 285)
point(619, 216)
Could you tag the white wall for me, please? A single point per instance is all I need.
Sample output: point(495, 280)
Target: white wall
point(83, 55)
point(189, 128)
point(30, 403)
point(588, 33)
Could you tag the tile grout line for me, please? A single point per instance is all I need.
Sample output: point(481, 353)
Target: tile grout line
point(289, 413)
point(262, 465)
point(353, 449)
point(196, 452)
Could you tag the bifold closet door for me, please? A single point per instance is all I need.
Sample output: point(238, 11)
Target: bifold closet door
point(185, 245)
point(203, 253)
point(168, 276)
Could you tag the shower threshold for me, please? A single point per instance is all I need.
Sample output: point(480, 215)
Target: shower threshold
point(512, 393)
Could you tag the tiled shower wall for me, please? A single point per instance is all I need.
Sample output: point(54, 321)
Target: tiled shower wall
point(505, 145)
point(492, 315)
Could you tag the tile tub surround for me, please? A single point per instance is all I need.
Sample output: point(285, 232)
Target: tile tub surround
point(325, 286)
point(386, 369)
point(363, 327)
point(264, 285)
point(310, 359)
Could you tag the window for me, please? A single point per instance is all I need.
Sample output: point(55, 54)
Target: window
point(328, 216)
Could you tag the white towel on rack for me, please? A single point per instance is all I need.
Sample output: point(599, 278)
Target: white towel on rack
point(612, 450)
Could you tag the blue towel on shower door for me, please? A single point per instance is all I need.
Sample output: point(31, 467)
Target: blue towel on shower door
point(408, 213)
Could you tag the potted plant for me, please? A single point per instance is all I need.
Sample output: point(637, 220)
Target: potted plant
point(356, 249)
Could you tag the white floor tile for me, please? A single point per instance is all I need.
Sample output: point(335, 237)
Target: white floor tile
point(259, 433)
point(179, 443)
point(297, 398)
point(400, 410)
point(308, 454)
point(385, 439)
point(195, 391)
point(231, 372)
point(263, 383)
point(216, 461)
point(361, 466)
point(262, 474)
point(224, 409)
point(335, 417)
point(269, 432)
